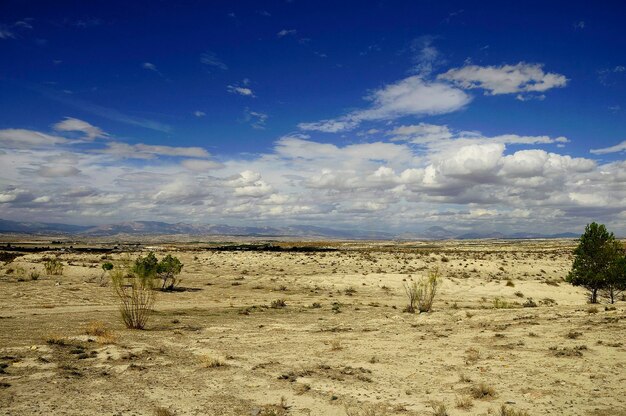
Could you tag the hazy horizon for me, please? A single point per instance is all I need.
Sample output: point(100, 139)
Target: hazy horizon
point(384, 116)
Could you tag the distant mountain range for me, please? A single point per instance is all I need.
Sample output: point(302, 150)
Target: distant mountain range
point(138, 228)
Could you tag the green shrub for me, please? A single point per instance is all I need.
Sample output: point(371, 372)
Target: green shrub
point(422, 293)
point(136, 297)
point(53, 267)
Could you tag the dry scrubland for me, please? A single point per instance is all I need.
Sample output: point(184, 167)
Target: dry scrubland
point(340, 346)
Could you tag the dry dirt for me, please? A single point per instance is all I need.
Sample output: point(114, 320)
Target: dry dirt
point(341, 346)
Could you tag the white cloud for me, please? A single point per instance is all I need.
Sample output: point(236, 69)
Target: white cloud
point(73, 124)
point(411, 96)
point(6, 33)
point(620, 147)
point(245, 91)
point(426, 57)
point(286, 32)
point(199, 165)
point(422, 173)
point(506, 79)
point(256, 119)
point(57, 171)
point(145, 151)
point(210, 59)
point(21, 138)
point(150, 66)
point(199, 113)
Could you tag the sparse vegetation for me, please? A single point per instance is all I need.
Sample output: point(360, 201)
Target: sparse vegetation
point(422, 293)
point(136, 295)
point(483, 391)
point(599, 263)
point(53, 267)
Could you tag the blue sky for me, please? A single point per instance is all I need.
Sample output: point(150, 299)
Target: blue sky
point(376, 115)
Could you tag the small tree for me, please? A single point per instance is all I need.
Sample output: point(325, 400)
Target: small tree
point(146, 267)
point(422, 292)
point(167, 270)
point(594, 260)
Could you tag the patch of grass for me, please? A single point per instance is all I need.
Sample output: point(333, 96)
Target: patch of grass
point(499, 303)
point(592, 309)
point(464, 402)
point(530, 303)
point(278, 304)
point(54, 339)
point(573, 335)
point(439, 409)
point(507, 411)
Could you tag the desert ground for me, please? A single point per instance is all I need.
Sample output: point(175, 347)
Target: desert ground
point(341, 345)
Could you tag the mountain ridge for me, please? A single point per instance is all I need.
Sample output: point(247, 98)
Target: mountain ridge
point(163, 228)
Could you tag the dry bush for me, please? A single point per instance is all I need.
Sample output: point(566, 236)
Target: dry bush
point(483, 391)
point(136, 296)
point(53, 267)
point(366, 410)
point(278, 304)
point(163, 411)
point(280, 409)
point(422, 293)
point(103, 334)
point(439, 409)
point(505, 411)
point(208, 361)
point(464, 403)
point(55, 339)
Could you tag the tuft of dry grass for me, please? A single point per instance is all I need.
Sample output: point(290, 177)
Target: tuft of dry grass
point(100, 330)
point(208, 361)
point(163, 411)
point(483, 391)
point(464, 403)
point(55, 339)
point(506, 411)
point(335, 345)
point(439, 409)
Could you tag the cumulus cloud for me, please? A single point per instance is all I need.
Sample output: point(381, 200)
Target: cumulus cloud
point(440, 136)
point(505, 79)
point(414, 174)
point(22, 138)
point(75, 125)
point(412, 96)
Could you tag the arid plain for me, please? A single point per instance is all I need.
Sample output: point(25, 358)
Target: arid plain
point(505, 329)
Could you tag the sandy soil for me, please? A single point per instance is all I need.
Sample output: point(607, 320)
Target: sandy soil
point(341, 346)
